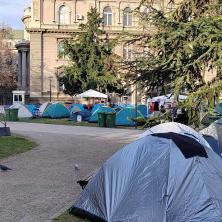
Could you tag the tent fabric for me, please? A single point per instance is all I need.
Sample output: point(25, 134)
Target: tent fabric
point(143, 110)
point(189, 146)
point(103, 109)
point(213, 135)
point(84, 113)
point(176, 128)
point(218, 108)
point(23, 111)
point(92, 94)
point(76, 108)
point(124, 117)
point(33, 109)
point(151, 180)
point(42, 108)
point(95, 107)
point(56, 110)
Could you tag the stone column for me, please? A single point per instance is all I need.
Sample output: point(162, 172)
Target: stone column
point(19, 69)
point(24, 70)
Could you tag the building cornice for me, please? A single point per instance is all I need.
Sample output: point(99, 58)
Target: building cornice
point(73, 31)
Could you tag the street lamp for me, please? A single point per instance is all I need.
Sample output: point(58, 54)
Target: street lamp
point(50, 89)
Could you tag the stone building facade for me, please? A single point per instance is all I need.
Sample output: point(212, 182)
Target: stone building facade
point(48, 22)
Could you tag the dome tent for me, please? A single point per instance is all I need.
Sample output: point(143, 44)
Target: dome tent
point(124, 117)
point(23, 111)
point(56, 110)
point(96, 106)
point(212, 135)
point(143, 109)
point(160, 177)
point(43, 107)
point(103, 109)
point(76, 108)
point(33, 109)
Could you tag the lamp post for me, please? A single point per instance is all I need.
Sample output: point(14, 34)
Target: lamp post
point(136, 98)
point(50, 89)
point(136, 89)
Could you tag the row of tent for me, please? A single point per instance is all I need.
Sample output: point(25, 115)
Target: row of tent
point(170, 173)
point(54, 110)
point(124, 114)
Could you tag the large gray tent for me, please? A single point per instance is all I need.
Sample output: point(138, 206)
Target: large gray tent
point(162, 177)
point(213, 135)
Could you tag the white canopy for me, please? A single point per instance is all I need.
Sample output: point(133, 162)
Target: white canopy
point(166, 98)
point(92, 94)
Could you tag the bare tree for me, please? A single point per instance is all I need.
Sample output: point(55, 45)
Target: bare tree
point(8, 68)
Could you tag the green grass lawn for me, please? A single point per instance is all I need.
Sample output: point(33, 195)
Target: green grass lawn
point(66, 217)
point(12, 145)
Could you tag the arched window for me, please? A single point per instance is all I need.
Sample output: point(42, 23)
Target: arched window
point(64, 16)
point(127, 51)
point(107, 16)
point(61, 50)
point(127, 17)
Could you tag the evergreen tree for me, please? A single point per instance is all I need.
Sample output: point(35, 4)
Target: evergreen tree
point(92, 62)
point(184, 43)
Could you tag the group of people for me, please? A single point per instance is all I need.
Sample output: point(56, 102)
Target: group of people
point(178, 115)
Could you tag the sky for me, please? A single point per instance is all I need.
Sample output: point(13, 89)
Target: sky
point(11, 12)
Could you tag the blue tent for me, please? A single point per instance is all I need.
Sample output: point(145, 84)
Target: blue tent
point(84, 113)
point(163, 176)
point(124, 116)
point(103, 109)
point(218, 108)
point(74, 107)
point(95, 107)
point(56, 110)
point(33, 109)
point(143, 109)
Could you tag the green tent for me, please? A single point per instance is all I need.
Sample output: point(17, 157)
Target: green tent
point(55, 111)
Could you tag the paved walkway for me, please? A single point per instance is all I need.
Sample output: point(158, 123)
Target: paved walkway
point(42, 183)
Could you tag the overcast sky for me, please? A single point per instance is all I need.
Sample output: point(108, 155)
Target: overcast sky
point(11, 12)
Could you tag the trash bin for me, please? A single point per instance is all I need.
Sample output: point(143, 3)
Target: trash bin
point(7, 114)
point(14, 114)
point(102, 119)
point(110, 120)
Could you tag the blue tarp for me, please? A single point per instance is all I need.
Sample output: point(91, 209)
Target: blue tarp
point(56, 110)
point(124, 116)
point(103, 109)
point(152, 180)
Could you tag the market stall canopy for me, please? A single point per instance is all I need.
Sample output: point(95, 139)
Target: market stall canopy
point(92, 94)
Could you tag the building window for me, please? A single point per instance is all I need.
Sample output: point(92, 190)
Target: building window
point(64, 15)
point(127, 17)
point(61, 50)
point(127, 51)
point(107, 16)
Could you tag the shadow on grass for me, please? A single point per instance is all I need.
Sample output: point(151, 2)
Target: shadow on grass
point(66, 217)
